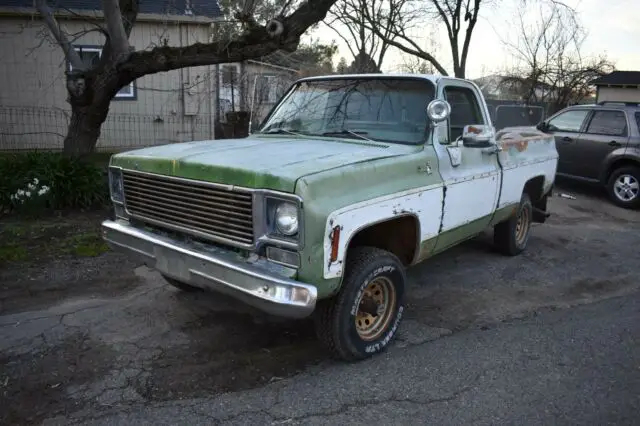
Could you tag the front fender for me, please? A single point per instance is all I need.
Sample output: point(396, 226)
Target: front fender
point(620, 154)
point(424, 203)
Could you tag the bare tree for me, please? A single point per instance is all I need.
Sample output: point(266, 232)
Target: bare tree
point(348, 18)
point(91, 87)
point(551, 65)
point(458, 16)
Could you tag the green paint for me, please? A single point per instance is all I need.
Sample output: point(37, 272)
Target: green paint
point(255, 162)
point(462, 233)
point(336, 188)
point(503, 214)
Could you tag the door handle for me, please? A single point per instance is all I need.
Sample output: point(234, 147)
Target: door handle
point(567, 139)
point(614, 143)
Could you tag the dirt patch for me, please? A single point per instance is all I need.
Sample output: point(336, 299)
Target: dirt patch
point(47, 260)
point(34, 241)
point(32, 386)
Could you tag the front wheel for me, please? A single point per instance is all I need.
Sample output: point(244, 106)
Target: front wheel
point(511, 237)
point(623, 187)
point(363, 318)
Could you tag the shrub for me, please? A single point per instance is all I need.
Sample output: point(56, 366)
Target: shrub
point(52, 181)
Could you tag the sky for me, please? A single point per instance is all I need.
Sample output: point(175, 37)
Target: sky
point(612, 28)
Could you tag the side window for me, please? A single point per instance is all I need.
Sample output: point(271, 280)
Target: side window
point(570, 121)
point(611, 123)
point(638, 120)
point(465, 110)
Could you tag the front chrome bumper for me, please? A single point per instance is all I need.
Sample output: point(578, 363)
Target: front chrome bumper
point(218, 270)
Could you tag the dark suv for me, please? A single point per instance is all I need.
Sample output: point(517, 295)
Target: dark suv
point(600, 144)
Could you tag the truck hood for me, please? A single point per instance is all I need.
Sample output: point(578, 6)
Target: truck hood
point(256, 162)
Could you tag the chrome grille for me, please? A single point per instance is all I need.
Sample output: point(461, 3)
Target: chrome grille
point(196, 207)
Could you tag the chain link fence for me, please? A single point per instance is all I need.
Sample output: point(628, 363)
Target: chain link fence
point(35, 128)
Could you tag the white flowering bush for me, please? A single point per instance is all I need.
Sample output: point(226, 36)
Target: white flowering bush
point(33, 196)
point(37, 182)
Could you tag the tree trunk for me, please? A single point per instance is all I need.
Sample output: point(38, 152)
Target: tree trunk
point(84, 130)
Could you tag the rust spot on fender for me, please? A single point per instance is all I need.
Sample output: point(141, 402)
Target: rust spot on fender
point(521, 145)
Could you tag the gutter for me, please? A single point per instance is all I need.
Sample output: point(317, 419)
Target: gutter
point(84, 14)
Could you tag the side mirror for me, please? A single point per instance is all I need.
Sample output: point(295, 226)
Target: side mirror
point(543, 126)
point(438, 110)
point(477, 136)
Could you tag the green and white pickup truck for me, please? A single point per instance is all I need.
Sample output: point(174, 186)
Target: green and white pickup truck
point(349, 180)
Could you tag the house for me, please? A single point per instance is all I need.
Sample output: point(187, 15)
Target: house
point(618, 86)
point(174, 106)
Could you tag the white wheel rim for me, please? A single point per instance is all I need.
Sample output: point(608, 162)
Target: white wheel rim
point(626, 188)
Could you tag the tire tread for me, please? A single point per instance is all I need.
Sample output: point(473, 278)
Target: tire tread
point(326, 310)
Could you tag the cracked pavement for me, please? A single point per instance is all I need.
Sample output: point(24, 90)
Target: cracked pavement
point(549, 336)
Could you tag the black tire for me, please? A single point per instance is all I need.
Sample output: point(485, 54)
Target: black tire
point(633, 175)
point(180, 285)
point(509, 237)
point(369, 271)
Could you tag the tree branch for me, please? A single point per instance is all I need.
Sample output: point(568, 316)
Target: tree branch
point(118, 39)
point(69, 52)
point(254, 42)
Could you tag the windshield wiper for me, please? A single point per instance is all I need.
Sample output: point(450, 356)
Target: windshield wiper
point(348, 132)
point(280, 131)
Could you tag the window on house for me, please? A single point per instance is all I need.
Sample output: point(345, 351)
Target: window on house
point(90, 56)
point(266, 90)
point(229, 75)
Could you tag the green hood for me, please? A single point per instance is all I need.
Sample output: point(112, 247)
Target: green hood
point(255, 162)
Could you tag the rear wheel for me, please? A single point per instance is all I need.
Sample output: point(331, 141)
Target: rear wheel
point(363, 318)
point(511, 237)
point(624, 187)
point(180, 285)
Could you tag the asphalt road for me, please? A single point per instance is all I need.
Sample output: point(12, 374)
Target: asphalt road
point(551, 336)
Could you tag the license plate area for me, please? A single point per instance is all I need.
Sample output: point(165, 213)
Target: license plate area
point(171, 263)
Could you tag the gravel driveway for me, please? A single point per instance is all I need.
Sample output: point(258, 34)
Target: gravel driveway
point(85, 339)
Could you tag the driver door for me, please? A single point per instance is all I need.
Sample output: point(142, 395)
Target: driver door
point(471, 176)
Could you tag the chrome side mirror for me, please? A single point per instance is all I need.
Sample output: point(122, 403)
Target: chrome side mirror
point(477, 136)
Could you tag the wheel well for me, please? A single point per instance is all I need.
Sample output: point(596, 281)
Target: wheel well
point(623, 162)
point(535, 187)
point(398, 236)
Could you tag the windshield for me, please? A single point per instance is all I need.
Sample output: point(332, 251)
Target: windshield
point(380, 109)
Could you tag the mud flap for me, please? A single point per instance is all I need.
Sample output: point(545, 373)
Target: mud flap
point(540, 213)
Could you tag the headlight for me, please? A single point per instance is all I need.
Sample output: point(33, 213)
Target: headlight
point(286, 218)
point(116, 187)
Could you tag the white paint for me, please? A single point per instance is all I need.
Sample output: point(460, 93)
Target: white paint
point(540, 158)
point(425, 203)
point(472, 181)
point(516, 177)
point(471, 177)
point(469, 200)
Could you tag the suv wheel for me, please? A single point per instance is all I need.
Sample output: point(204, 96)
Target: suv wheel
point(624, 187)
point(362, 319)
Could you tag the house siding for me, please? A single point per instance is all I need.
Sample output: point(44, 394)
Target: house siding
point(170, 106)
point(618, 94)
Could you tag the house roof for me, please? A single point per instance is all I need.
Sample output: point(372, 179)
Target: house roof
point(206, 8)
point(619, 78)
